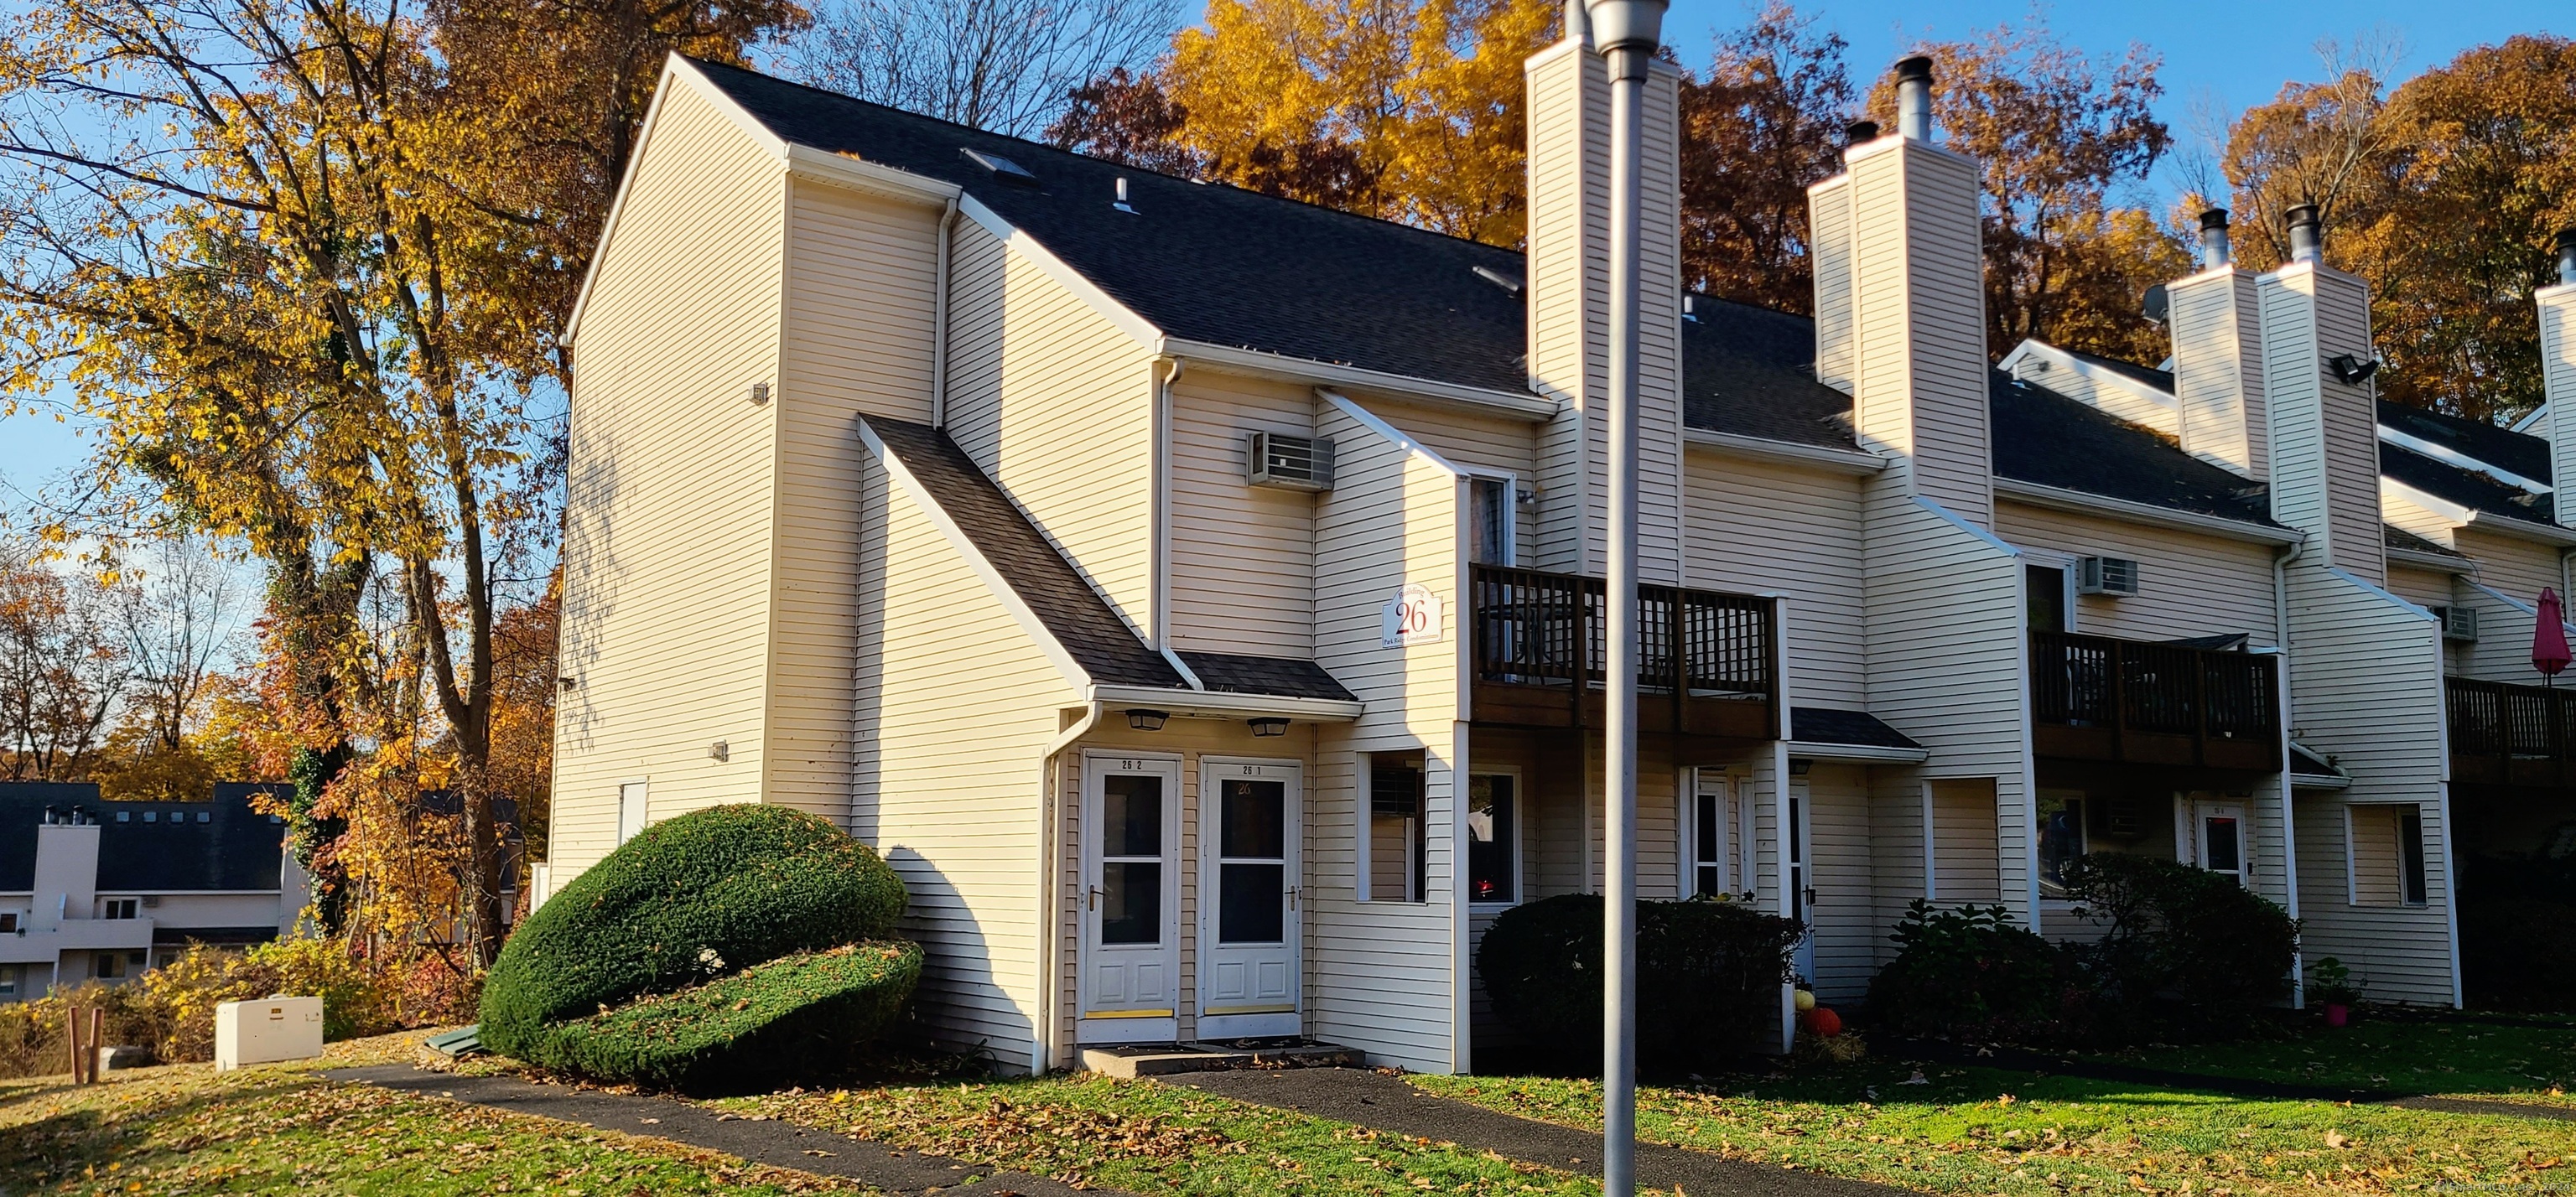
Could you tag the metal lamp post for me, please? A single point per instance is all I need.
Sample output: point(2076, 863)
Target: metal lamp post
point(1627, 32)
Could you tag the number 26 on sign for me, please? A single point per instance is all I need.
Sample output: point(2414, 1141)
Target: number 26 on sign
point(1411, 617)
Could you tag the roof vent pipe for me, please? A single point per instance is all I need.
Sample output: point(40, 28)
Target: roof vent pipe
point(1578, 22)
point(2307, 244)
point(2214, 248)
point(2567, 257)
point(1914, 98)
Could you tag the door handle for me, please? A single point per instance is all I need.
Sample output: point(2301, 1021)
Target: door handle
point(1093, 894)
point(1293, 891)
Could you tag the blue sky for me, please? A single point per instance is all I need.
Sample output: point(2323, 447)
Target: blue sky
point(2234, 54)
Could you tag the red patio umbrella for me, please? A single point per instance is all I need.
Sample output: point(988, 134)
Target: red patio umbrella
point(2549, 637)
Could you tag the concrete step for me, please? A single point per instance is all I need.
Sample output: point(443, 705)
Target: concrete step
point(1167, 1059)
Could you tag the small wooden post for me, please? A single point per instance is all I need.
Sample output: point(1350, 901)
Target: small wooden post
point(97, 1032)
point(71, 1039)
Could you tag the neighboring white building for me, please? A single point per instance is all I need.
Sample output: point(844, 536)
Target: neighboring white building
point(95, 890)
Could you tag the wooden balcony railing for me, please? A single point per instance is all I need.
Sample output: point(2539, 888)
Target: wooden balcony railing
point(2505, 734)
point(1709, 661)
point(2105, 699)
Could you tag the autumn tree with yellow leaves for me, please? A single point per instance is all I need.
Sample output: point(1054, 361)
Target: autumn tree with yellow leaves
point(307, 266)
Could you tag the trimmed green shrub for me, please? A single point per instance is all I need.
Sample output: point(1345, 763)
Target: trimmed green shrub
point(796, 1018)
point(689, 898)
point(1967, 974)
point(1708, 977)
point(2186, 952)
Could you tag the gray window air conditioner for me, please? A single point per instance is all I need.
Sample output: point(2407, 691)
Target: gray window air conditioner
point(2116, 576)
point(2458, 623)
point(1295, 462)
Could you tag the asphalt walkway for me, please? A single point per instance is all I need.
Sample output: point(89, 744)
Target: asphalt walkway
point(1386, 1103)
point(765, 1141)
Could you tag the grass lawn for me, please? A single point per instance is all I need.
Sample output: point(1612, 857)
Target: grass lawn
point(186, 1129)
point(2523, 1060)
point(1151, 1138)
point(1978, 1130)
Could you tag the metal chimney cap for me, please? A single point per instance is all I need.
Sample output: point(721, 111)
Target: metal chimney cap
point(2214, 218)
point(1915, 68)
point(1860, 131)
point(2304, 214)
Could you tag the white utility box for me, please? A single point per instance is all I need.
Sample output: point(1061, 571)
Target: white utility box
point(267, 1030)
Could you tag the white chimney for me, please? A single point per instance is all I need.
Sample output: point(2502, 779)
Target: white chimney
point(2318, 387)
point(66, 881)
point(2215, 317)
point(2558, 376)
point(1568, 293)
point(1829, 257)
point(1918, 308)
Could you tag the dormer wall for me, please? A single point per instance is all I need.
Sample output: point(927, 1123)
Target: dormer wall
point(1569, 312)
point(2324, 452)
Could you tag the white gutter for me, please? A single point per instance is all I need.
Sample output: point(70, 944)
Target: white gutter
point(1520, 406)
point(1226, 705)
point(2501, 525)
point(1858, 754)
point(1841, 461)
point(2437, 562)
point(2458, 460)
point(2062, 499)
point(1050, 878)
point(939, 321)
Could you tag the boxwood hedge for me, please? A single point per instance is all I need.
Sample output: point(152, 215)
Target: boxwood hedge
point(693, 897)
point(1708, 978)
point(797, 1018)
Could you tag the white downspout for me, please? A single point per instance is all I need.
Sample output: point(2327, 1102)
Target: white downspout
point(2281, 563)
point(939, 321)
point(1050, 880)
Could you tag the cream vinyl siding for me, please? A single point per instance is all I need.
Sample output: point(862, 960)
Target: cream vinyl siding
point(1948, 660)
point(1920, 318)
point(1568, 261)
point(669, 500)
point(1964, 841)
point(2090, 388)
point(2366, 688)
point(1385, 975)
point(1759, 527)
point(1057, 405)
point(2400, 512)
point(2218, 369)
point(2189, 584)
point(1840, 870)
point(1829, 215)
point(2518, 568)
point(954, 706)
point(1478, 444)
point(2422, 587)
point(2325, 435)
point(2557, 308)
point(861, 290)
point(1243, 556)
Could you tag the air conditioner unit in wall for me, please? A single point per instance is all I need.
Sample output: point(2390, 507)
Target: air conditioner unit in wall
point(2106, 575)
point(2458, 623)
point(1297, 462)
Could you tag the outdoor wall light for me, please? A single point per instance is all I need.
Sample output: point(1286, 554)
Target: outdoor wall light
point(1268, 725)
point(1144, 720)
point(1798, 766)
point(720, 751)
point(568, 683)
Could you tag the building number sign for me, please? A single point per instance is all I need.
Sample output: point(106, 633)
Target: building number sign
point(1411, 617)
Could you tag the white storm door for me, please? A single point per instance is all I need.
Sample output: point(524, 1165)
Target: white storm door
point(1802, 892)
point(1248, 898)
point(2221, 839)
point(1131, 899)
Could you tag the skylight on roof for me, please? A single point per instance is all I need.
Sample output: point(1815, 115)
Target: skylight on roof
point(1002, 168)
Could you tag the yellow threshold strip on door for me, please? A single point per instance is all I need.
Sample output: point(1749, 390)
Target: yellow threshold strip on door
point(1131, 1014)
point(1217, 1011)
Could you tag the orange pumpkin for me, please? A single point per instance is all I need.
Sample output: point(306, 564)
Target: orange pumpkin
point(1821, 1022)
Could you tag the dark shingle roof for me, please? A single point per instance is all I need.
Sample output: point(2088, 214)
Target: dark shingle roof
point(1752, 372)
point(1827, 725)
point(2401, 539)
point(1202, 262)
point(2046, 438)
point(1233, 673)
point(2467, 488)
point(2305, 762)
point(1081, 621)
point(233, 848)
point(2513, 452)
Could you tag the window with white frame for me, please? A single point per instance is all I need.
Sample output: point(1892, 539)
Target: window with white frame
point(1490, 520)
point(8, 922)
point(8, 980)
point(1396, 819)
point(2384, 854)
point(118, 908)
point(1493, 838)
point(1713, 862)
